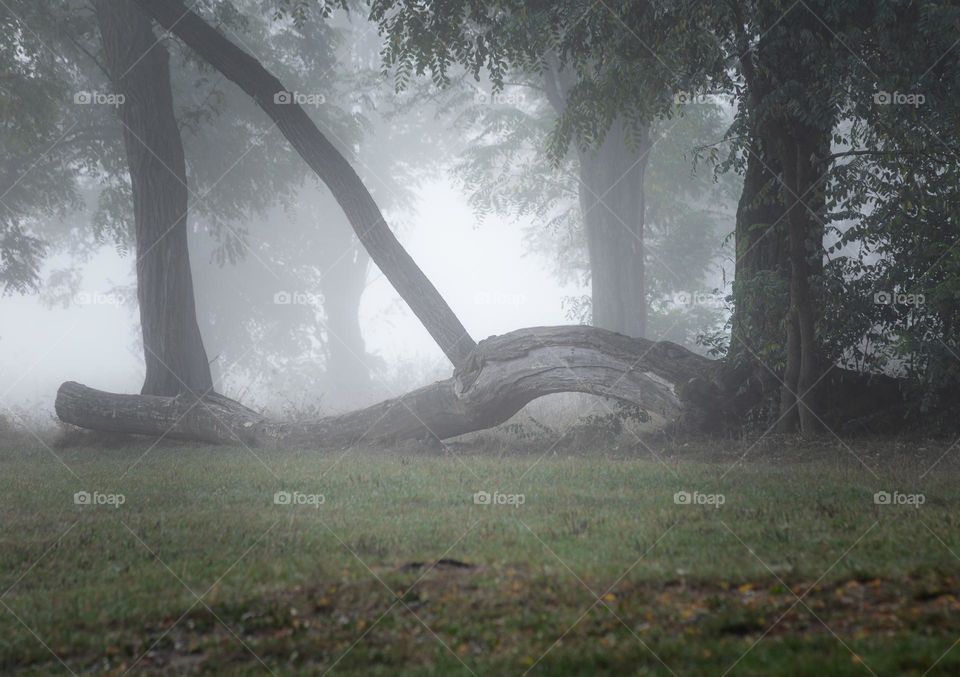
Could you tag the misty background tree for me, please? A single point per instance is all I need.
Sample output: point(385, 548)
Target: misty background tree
point(795, 357)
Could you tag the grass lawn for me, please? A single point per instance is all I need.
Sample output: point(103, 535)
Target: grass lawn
point(582, 562)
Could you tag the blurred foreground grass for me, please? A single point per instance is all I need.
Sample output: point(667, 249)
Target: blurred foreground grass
point(672, 560)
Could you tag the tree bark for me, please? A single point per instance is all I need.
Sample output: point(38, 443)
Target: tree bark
point(761, 285)
point(502, 375)
point(800, 146)
point(332, 168)
point(783, 144)
point(612, 204)
point(139, 68)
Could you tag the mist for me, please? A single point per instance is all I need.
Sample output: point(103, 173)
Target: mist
point(501, 286)
point(426, 338)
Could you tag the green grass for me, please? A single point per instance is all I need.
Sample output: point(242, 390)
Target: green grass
point(599, 556)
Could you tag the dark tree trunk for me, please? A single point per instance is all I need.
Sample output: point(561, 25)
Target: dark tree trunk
point(612, 204)
point(800, 148)
point(332, 168)
point(139, 67)
point(785, 150)
point(760, 287)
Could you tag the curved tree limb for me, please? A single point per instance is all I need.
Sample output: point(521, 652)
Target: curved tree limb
point(500, 376)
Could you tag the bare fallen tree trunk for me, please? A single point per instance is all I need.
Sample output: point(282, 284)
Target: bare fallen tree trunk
point(502, 375)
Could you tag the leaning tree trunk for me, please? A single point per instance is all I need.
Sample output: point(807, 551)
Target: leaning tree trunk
point(612, 204)
point(139, 68)
point(332, 168)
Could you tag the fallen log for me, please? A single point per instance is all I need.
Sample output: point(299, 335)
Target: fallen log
point(500, 376)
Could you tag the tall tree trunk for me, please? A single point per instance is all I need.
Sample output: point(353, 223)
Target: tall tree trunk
point(343, 284)
point(332, 168)
point(139, 67)
point(800, 148)
point(612, 204)
point(760, 287)
point(783, 144)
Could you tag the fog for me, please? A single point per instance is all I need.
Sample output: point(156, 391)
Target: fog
point(430, 337)
point(494, 283)
point(293, 315)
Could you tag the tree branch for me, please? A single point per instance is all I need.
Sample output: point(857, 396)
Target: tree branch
point(327, 162)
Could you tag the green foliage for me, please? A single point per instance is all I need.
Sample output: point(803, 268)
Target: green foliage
point(903, 196)
point(628, 57)
point(40, 136)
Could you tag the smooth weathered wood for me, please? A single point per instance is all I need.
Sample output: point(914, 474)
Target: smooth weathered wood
point(500, 376)
point(330, 166)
